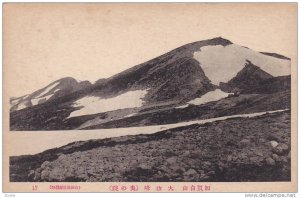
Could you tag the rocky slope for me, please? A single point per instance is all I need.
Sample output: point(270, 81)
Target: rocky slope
point(250, 76)
point(252, 79)
point(243, 104)
point(239, 149)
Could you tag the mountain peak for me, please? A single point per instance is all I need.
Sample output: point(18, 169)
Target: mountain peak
point(214, 41)
point(66, 79)
point(221, 40)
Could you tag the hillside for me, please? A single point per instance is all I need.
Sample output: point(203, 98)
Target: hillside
point(194, 74)
point(234, 150)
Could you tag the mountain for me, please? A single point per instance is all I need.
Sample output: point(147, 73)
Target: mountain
point(272, 85)
point(232, 150)
point(195, 75)
point(252, 79)
point(56, 89)
point(250, 76)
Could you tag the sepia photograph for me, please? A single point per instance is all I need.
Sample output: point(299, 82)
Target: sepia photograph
point(173, 95)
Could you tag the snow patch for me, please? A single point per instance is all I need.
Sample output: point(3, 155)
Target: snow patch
point(47, 89)
point(15, 101)
point(222, 63)
point(182, 106)
point(22, 105)
point(25, 97)
point(36, 101)
point(130, 115)
point(94, 105)
point(52, 139)
point(209, 97)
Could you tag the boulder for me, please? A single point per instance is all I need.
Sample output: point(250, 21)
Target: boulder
point(56, 175)
point(284, 159)
point(242, 155)
point(190, 172)
point(210, 173)
point(259, 153)
point(206, 166)
point(144, 167)
point(171, 160)
point(244, 143)
point(281, 149)
point(229, 158)
point(186, 153)
point(284, 147)
point(274, 143)
point(62, 157)
point(195, 154)
point(275, 157)
point(37, 174)
point(270, 161)
point(45, 175)
point(262, 140)
point(218, 129)
point(254, 159)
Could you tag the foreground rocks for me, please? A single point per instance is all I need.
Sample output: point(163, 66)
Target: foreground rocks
point(240, 149)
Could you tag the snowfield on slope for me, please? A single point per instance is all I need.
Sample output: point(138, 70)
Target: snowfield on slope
point(36, 101)
point(18, 102)
point(41, 97)
point(51, 139)
point(49, 88)
point(208, 97)
point(130, 115)
point(222, 63)
point(21, 105)
point(93, 105)
point(15, 101)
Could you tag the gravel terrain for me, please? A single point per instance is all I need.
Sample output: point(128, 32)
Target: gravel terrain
point(238, 149)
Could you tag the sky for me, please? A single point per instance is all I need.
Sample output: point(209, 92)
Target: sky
point(46, 42)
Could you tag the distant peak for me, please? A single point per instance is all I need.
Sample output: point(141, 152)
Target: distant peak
point(67, 79)
point(213, 41)
point(208, 42)
point(219, 38)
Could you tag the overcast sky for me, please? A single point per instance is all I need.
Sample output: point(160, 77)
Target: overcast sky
point(45, 42)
